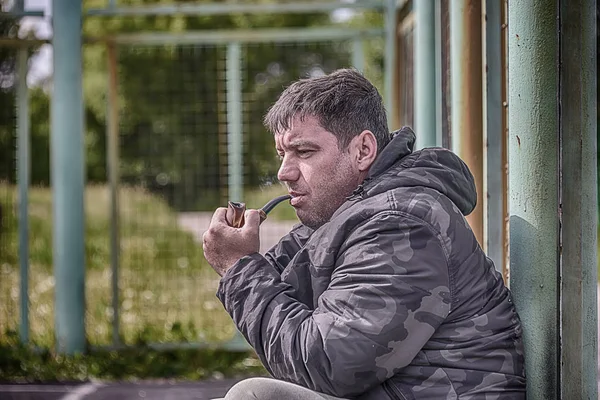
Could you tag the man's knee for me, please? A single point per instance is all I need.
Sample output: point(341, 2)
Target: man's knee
point(273, 389)
point(253, 389)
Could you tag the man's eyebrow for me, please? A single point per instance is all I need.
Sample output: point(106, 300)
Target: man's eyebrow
point(295, 144)
point(302, 143)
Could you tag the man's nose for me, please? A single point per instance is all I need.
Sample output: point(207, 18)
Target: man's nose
point(288, 172)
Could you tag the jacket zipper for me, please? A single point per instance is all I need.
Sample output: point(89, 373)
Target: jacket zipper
point(357, 192)
point(392, 391)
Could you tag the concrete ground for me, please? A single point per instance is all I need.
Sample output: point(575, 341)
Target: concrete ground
point(203, 390)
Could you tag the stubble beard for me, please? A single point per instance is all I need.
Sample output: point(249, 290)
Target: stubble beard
point(328, 196)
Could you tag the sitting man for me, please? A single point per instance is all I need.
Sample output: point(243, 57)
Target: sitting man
point(382, 292)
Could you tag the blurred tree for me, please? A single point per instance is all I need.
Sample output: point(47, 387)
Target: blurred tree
point(173, 122)
point(8, 28)
point(173, 99)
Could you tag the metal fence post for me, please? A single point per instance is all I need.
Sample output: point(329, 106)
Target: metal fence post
point(235, 149)
point(390, 89)
point(234, 122)
point(426, 69)
point(534, 186)
point(439, 71)
point(113, 177)
point(67, 156)
point(358, 54)
point(24, 179)
point(467, 96)
point(553, 224)
point(578, 220)
point(494, 133)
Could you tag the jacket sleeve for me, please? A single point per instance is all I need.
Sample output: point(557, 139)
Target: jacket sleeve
point(280, 255)
point(388, 294)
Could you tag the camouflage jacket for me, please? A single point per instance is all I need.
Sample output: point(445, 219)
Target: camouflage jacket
point(392, 298)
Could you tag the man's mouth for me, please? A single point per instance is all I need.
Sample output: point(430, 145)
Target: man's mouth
point(297, 198)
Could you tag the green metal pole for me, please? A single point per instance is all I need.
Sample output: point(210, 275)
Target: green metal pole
point(533, 180)
point(494, 135)
point(67, 155)
point(358, 54)
point(112, 125)
point(23, 172)
point(228, 8)
point(23, 179)
point(222, 37)
point(439, 89)
point(234, 122)
point(391, 18)
point(579, 352)
point(425, 74)
point(235, 150)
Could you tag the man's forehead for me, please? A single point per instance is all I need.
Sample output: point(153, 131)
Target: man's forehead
point(300, 129)
point(292, 134)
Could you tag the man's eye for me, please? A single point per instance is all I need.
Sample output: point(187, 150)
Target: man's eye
point(280, 156)
point(305, 153)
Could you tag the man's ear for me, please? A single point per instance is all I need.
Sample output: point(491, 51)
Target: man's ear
point(365, 148)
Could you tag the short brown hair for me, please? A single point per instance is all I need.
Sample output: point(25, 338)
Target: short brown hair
point(344, 102)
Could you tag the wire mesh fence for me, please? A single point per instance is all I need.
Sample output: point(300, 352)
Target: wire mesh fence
point(175, 166)
point(171, 125)
point(173, 113)
point(9, 278)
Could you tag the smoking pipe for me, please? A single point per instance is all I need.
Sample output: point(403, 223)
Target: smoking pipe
point(235, 210)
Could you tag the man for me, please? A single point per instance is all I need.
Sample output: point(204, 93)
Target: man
point(382, 292)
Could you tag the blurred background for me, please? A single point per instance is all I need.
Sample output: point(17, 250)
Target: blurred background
point(173, 143)
point(172, 130)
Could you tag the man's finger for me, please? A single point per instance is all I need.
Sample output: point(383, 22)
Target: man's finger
point(219, 216)
point(252, 219)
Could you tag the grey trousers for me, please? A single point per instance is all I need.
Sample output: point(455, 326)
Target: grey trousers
point(272, 389)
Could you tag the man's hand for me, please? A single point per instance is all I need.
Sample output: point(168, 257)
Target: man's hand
point(224, 245)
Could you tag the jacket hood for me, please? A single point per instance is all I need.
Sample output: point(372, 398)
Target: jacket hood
point(436, 168)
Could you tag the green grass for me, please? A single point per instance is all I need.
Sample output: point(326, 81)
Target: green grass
point(20, 363)
point(167, 290)
point(166, 293)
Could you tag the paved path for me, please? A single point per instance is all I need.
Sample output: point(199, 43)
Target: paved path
point(271, 230)
point(204, 390)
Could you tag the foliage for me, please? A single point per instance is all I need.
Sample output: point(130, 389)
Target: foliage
point(167, 290)
point(173, 101)
point(19, 363)
point(167, 294)
point(173, 154)
point(8, 28)
point(172, 104)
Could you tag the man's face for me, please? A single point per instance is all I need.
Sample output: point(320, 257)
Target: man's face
point(318, 175)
